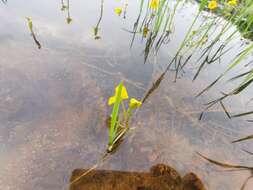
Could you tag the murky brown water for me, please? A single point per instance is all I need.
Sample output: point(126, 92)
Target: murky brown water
point(53, 102)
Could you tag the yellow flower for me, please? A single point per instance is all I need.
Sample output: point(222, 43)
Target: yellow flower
point(118, 10)
point(212, 5)
point(145, 31)
point(232, 2)
point(124, 95)
point(111, 100)
point(154, 4)
point(134, 103)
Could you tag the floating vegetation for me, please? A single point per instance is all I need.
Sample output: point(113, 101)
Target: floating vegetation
point(30, 26)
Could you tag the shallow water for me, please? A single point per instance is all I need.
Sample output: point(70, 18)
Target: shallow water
point(53, 101)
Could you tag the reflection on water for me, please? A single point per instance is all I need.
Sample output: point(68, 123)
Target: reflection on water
point(53, 102)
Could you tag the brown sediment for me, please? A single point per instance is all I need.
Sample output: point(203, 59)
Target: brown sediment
point(160, 177)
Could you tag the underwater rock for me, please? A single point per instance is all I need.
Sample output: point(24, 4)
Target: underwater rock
point(160, 177)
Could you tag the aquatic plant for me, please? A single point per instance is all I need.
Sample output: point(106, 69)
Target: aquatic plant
point(119, 123)
point(233, 167)
point(30, 26)
point(68, 19)
point(212, 41)
point(66, 7)
point(96, 28)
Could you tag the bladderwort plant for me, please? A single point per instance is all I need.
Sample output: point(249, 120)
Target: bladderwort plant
point(120, 116)
point(119, 124)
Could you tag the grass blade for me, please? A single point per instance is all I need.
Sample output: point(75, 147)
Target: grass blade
point(224, 165)
point(243, 139)
point(115, 114)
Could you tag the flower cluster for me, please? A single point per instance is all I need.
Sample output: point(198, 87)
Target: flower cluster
point(212, 5)
point(133, 103)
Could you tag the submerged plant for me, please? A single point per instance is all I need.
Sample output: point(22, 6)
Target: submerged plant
point(119, 124)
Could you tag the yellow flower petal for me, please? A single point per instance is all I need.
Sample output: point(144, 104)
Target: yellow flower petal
point(154, 4)
point(111, 100)
point(212, 5)
point(134, 103)
point(118, 10)
point(232, 2)
point(124, 94)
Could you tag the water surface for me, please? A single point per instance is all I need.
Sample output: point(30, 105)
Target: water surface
point(53, 101)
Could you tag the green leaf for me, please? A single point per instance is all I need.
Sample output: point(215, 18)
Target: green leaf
point(30, 23)
point(115, 113)
point(202, 5)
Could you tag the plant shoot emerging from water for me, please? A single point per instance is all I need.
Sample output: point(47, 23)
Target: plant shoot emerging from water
point(30, 26)
point(119, 124)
